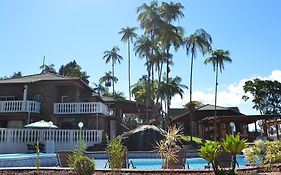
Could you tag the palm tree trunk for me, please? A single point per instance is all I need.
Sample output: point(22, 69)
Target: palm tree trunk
point(190, 95)
point(233, 162)
point(113, 90)
point(129, 69)
point(216, 91)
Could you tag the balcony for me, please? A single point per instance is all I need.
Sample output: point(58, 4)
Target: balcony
point(81, 108)
point(19, 106)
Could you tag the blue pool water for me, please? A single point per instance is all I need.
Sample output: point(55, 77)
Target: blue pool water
point(15, 156)
point(155, 163)
point(192, 163)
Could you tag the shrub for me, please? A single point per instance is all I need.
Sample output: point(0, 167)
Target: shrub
point(81, 164)
point(210, 151)
point(273, 153)
point(116, 153)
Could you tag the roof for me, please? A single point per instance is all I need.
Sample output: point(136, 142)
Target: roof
point(174, 112)
point(46, 76)
point(240, 118)
point(37, 77)
point(209, 107)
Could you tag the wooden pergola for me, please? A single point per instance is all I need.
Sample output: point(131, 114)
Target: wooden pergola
point(206, 125)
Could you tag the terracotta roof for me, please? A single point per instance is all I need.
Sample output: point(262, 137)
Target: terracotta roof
point(37, 77)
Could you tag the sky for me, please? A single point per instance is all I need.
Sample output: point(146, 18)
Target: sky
point(82, 30)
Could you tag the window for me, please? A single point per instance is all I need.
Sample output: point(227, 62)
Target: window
point(38, 98)
point(7, 98)
point(64, 99)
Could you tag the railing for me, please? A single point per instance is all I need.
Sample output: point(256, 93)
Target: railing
point(15, 140)
point(20, 106)
point(81, 108)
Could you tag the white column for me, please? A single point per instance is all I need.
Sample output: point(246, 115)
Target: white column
point(24, 98)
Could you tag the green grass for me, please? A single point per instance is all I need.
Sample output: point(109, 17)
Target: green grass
point(187, 138)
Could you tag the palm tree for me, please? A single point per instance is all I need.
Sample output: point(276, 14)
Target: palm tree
point(192, 106)
point(128, 34)
point(100, 89)
point(201, 40)
point(114, 57)
point(143, 48)
point(218, 57)
point(48, 68)
point(107, 79)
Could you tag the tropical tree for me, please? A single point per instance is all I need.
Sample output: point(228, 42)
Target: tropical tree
point(100, 89)
point(192, 106)
point(48, 68)
point(217, 58)
point(234, 145)
point(128, 35)
point(199, 40)
point(266, 95)
point(72, 69)
point(107, 79)
point(113, 57)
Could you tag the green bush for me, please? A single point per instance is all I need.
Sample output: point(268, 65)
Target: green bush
point(273, 153)
point(81, 164)
point(116, 153)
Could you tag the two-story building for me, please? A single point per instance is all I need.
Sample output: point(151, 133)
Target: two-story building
point(65, 101)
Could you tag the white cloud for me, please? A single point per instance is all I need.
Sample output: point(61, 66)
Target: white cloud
point(231, 96)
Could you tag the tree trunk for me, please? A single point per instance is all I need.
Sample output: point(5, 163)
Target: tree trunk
point(113, 90)
point(129, 69)
point(190, 94)
point(216, 91)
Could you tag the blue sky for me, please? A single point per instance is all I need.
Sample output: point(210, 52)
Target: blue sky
point(82, 30)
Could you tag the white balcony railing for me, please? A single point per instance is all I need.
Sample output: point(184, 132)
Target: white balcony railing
point(15, 140)
point(20, 106)
point(81, 108)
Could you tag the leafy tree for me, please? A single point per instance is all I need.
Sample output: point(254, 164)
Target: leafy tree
point(128, 35)
point(72, 69)
point(266, 95)
point(113, 57)
point(217, 58)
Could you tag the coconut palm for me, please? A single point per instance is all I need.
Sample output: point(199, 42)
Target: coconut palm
point(107, 79)
point(113, 57)
point(217, 58)
point(100, 89)
point(199, 40)
point(234, 145)
point(128, 35)
point(143, 48)
point(149, 17)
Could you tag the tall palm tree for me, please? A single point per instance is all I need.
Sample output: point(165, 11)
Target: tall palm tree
point(218, 58)
point(199, 40)
point(143, 47)
point(107, 79)
point(113, 57)
point(128, 35)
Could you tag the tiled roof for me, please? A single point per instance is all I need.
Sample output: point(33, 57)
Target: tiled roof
point(37, 77)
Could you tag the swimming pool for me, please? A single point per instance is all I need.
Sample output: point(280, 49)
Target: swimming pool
point(156, 163)
point(50, 160)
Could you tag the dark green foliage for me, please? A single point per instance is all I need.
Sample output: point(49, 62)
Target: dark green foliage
point(266, 95)
point(72, 69)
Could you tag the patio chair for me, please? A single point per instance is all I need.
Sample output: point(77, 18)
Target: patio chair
point(62, 157)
